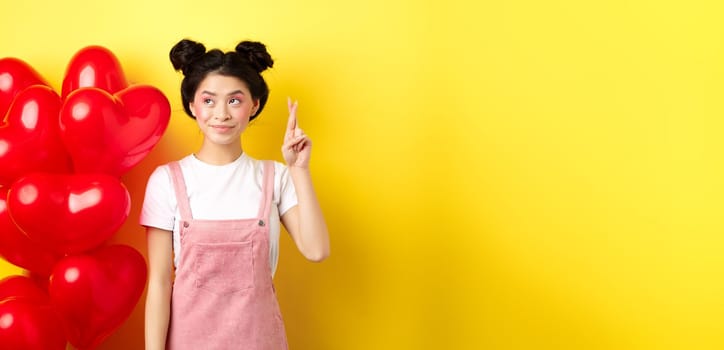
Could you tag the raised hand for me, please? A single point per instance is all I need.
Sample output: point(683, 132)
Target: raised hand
point(297, 147)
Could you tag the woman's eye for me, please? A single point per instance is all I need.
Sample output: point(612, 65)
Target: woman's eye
point(208, 101)
point(234, 101)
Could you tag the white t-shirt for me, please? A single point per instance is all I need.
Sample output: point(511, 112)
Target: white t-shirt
point(218, 192)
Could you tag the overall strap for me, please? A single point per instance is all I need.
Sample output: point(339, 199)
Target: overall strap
point(267, 191)
point(182, 199)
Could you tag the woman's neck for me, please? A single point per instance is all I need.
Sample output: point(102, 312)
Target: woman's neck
point(219, 154)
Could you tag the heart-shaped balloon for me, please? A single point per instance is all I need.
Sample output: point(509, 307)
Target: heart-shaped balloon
point(149, 112)
point(112, 133)
point(96, 293)
point(94, 66)
point(41, 280)
point(15, 76)
point(22, 287)
point(27, 319)
point(70, 213)
point(30, 137)
point(19, 249)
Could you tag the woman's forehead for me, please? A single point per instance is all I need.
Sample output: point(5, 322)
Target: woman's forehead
point(218, 84)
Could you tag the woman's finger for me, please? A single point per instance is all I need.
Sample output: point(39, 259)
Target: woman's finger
point(292, 121)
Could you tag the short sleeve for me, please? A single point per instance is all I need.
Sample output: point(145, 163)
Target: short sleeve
point(159, 202)
point(287, 193)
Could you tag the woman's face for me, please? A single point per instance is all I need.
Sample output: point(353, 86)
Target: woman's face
point(222, 106)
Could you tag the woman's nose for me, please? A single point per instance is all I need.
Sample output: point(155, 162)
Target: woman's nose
point(221, 113)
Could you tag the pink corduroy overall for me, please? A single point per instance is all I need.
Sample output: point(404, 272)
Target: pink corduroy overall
point(223, 296)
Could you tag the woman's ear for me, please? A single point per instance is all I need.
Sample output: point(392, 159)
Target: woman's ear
point(255, 107)
point(191, 108)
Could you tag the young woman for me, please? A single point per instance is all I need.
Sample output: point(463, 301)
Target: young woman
point(213, 217)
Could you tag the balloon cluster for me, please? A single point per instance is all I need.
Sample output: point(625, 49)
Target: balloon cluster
point(61, 199)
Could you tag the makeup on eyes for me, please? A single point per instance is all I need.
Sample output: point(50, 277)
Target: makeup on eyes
point(207, 96)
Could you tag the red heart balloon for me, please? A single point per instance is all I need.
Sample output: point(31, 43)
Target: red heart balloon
point(149, 113)
point(30, 138)
point(41, 280)
point(21, 287)
point(94, 66)
point(19, 249)
point(112, 133)
point(15, 75)
point(96, 293)
point(71, 213)
point(27, 320)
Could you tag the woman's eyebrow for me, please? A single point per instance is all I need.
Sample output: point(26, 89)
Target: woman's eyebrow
point(229, 94)
point(235, 92)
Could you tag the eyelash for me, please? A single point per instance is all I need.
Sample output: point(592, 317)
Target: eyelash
point(208, 101)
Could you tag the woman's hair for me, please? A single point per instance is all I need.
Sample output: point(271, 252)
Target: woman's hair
point(245, 63)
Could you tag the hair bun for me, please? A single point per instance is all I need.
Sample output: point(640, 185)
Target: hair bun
point(185, 52)
point(255, 53)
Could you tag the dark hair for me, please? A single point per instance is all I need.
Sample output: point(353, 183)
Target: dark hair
point(245, 63)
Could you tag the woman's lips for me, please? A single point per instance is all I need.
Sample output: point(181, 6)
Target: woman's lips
point(222, 128)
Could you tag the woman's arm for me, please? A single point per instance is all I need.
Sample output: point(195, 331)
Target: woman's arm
point(158, 297)
point(305, 221)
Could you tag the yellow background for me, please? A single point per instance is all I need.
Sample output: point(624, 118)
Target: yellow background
point(495, 174)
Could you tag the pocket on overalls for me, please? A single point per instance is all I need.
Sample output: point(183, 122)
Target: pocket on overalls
point(224, 268)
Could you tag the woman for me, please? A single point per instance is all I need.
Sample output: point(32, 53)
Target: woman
point(213, 217)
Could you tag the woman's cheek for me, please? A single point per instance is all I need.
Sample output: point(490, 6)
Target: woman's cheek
point(201, 114)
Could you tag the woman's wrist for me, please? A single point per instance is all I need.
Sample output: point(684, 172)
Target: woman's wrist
point(297, 171)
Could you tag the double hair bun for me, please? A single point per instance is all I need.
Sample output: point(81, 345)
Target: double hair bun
point(186, 52)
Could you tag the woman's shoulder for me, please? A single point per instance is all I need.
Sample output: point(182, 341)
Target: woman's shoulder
point(162, 172)
point(184, 162)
